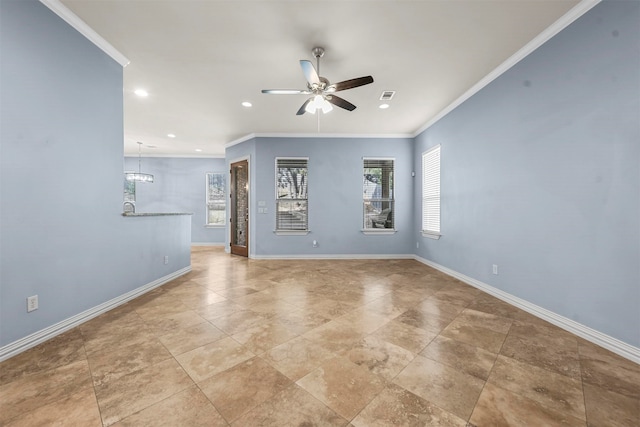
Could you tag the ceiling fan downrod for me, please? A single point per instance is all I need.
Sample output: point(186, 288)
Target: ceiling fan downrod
point(318, 52)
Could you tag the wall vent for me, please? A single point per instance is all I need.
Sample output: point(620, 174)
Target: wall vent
point(387, 95)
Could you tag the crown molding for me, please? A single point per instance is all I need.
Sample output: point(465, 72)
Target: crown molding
point(176, 156)
point(564, 21)
point(335, 135)
point(317, 135)
point(72, 19)
point(240, 140)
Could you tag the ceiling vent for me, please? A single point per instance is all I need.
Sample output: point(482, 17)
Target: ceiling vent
point(387, 95)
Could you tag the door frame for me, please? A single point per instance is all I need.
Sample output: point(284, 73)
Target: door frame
point(239, 250)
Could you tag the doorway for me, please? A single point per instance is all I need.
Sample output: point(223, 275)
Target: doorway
point(239, 196)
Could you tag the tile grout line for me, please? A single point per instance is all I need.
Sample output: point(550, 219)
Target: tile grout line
point(490, 372)
point(93, 384)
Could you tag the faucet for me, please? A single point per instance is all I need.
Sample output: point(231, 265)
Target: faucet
point(129, 207)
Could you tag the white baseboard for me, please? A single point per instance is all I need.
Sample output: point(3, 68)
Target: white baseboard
point(45, 334)
point(603, 340)
point(619, 347)
point(335, 256)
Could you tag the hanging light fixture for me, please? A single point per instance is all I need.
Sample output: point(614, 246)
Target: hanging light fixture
point(139, 176)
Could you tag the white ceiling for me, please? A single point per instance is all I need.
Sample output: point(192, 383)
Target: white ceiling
point(200, 59)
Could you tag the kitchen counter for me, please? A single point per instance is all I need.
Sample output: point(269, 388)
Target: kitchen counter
point(155, 213)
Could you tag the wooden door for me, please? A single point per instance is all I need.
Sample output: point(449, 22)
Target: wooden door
point(239, 208)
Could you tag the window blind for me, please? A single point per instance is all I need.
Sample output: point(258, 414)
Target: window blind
point(431, 190)
point(216, 199)
point(291, 194)
point(378, 193)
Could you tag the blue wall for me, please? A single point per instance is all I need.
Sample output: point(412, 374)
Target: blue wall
point(541, 176)
point(61, 143)
point(335, 196)
point(179, 186)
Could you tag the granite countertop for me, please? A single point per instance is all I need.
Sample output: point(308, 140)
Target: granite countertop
point(155, 213)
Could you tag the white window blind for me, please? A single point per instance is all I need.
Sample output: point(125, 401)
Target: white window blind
point(431, 191)
point(291, 194)
point(216, 200)
point(378, 193)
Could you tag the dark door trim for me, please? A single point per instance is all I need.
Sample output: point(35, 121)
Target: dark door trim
point(239, 198)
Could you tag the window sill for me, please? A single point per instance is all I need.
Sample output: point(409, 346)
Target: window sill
point(291, 232)
point(213, 226)
point(381, 231)
point(431, 235)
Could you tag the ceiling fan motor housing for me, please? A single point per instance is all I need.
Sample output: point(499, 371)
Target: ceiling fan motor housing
point(317, 52)
point(320, 87)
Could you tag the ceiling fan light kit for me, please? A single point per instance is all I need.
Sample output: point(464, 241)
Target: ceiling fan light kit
point(320, 88)
point(318, 103)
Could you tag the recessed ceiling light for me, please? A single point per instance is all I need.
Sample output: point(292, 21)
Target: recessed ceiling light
point(141, 92)
point(171, 135)
point(383, 106)
point(198, 150)
point(246, 104)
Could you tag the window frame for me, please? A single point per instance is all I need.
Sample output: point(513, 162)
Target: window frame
point(129, 194)
point(431, 193)
point(129, 189)
point(390, 200)
point(278, 200)
point(221, 201)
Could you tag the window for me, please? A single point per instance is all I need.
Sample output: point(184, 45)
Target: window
point(291, 194)
point(129, 189)
point(129, 203)
point(216, 200)
point(431, 192)
point(377, 194)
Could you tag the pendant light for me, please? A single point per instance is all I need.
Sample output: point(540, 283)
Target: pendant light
point(139, 176)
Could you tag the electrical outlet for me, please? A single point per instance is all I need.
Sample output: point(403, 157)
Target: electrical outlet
point(495, 269)
point(417, 245)
point(166, 259)
point(32, 303)
point(315, 243)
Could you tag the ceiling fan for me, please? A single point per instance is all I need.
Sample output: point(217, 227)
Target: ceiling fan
point(320, 88)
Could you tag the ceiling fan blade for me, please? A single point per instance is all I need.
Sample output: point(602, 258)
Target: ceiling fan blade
point(310, 72)
point(286, 92)
point(302, 109)
point(350, 84)
point(342, 103)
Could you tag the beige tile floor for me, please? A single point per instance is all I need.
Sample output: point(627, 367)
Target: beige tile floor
point(317, 343)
